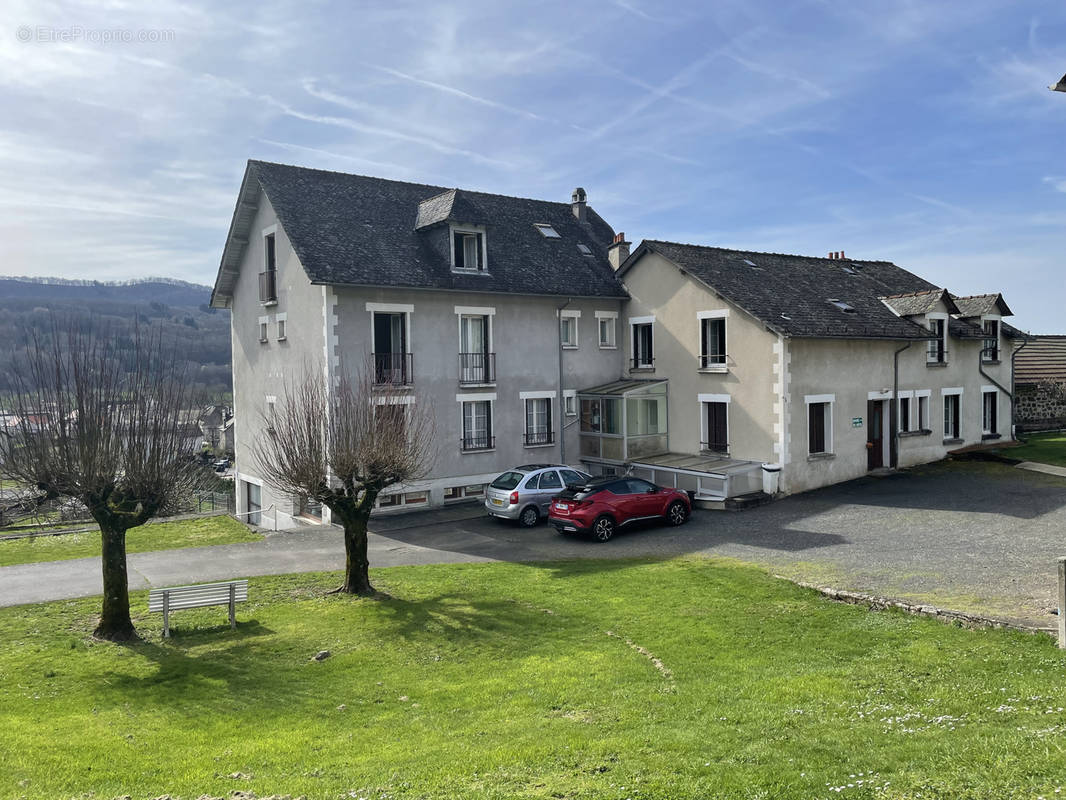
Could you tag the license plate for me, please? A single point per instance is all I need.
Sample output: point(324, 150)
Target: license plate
point(496, 502)
point(561, 509)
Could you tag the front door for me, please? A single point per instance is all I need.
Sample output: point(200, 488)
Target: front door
point(875, 410)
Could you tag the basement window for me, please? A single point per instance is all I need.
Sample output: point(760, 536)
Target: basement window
point(547, 231)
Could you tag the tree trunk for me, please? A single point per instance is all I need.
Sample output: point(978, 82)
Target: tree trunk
point(115, 624)
point(357, 562)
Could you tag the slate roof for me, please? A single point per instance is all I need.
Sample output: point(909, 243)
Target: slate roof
point(363, 231)
point(791, 294)
point(978, 304)
point(915, 303)
point(1043, 359)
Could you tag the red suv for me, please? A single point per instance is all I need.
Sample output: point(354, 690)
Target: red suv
point(602, 505)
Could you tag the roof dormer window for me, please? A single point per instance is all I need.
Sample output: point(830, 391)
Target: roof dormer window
point(845, 307)
point(468, 249)
point(546, 230)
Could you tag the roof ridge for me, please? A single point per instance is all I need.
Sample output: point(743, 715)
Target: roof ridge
point(912, 294)
point(769, 253)
point(443, 189)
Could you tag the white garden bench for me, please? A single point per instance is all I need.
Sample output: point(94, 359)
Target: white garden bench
point(174, 598)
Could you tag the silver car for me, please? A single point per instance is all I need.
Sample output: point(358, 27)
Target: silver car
point(524, 493)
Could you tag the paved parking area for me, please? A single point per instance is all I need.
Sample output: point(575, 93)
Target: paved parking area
point(972, 536)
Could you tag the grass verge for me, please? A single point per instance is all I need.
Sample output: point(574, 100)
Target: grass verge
point(1046, 448)
point(155, 536)
point(590, 679)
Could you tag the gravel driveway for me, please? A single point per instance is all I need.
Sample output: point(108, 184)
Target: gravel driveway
point(971, 536)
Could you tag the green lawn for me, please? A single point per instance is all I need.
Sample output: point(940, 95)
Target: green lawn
point(1047, 448)
point(591, 679)
point(154, 536)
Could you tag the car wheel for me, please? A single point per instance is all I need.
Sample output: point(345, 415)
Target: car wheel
point(603, 529)
point(676, 513)
point(529, 517)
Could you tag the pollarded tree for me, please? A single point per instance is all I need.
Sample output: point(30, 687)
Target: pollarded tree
point(342, 448)
point(99, 418)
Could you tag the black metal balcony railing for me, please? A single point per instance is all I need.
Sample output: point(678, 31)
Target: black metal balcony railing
point(538, 437)
point(268, 286)
point(394, 368)
point(478, 442)
point(712, 360)
point(641, 363)
point(715, 447)
point(477, 368)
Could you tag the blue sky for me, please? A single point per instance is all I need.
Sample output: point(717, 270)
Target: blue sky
point(908, 130)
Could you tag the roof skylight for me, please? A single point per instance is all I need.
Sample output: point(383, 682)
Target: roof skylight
point(848, 309)
point(584, 249)
point(546, 230)
point(749, 262)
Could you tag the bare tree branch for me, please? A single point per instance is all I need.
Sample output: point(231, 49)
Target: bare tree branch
point(343, 447)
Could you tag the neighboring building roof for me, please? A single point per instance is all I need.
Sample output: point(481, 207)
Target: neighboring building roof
point(1042, 359)
point(794, 295)
point(978, 304)
point(914, 304)
point(362, 231)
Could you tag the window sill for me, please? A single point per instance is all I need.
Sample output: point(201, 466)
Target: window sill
point(266, 303)
point(954, 441)
point(485, 385)
point(569, 347)
point(283, 338)
point(936, 364)
point(264, 341)
point(912, 434)
point(608, 347)
point(994, 362)
point(714, 370)
point(476, 452)
point(460, 271)
point(535, 446)
point(821, 456)
point(985, 437)
point(642, 369)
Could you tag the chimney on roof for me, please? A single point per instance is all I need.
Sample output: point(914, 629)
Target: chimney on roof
point(618, 250)
point(578, 204)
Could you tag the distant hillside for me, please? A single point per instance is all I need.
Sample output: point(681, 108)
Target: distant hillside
point(180, 308)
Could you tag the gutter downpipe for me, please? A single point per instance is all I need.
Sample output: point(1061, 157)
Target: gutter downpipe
point(559, 402)
point(1010, 394)
point(893, 412)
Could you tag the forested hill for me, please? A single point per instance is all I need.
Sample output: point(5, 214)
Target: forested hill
point(181, 308)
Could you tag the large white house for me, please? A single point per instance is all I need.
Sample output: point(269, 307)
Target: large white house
point(538, 338)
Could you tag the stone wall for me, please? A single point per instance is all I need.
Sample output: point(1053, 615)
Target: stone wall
point(1038, 409)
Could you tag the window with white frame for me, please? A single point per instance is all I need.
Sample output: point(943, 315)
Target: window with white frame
point(538, 421)
point(819, 424)
point(990, 346)
point(937, 352)
point(712, 339)
point(570, 402)
point(714, 423)
point(477, 362)
point(264, 329)
point(989, 411)
point(643, 346)
point(477, 425)
point(468, 250)
point(606, 324)
point(568, 327)
point(906, 417)
point(952, 413)
point(922, 400)
point(281, 320)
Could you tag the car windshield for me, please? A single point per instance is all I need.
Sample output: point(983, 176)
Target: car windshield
point(508, 480)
